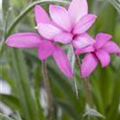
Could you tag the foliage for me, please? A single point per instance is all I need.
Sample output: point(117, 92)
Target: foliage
point(21, 69)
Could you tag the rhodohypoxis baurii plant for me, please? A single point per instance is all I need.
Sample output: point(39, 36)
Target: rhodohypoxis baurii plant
point(99, 51)
point(64, 26)
point(69, 26)
point(46, 47)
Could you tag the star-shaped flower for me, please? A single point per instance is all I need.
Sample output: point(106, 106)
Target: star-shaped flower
point(99, 51)
point(46, 47)
point(69, 26)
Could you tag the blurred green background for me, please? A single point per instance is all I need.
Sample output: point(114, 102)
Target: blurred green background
point(21, 75)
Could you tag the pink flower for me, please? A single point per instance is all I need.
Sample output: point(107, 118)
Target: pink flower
point(99, 51)
point(69, 26)
point(46, 47)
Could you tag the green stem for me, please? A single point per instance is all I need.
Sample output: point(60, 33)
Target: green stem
point(74, 77)
point(87, 91)
point(86, 84)
point(51, 111)
point(76, 88)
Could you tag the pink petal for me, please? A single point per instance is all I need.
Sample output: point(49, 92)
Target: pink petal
point(24, 40)
point(45, 49)
point(104, 57)
point(77, 9)
point(40, 15)
point(61, 17)
point(84, 23)
point(62, 62)
point(83, 40)
point(101, 40)
point(88, 65)
point(48, 31)
point(63, 37)
point(85, 50)
point(111, 47)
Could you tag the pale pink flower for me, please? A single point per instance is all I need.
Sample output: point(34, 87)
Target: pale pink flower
point(46, 47)
point(99, 51)
point(69, 26)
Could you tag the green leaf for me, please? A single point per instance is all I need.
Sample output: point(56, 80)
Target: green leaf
point(23, 90)
point(10, 101)
point(106, 20)
point(113, 110)
point(92, 113)
point(116, 4)
point(4, 117)
point(37, 83)
point(66, 89)
point(5, 77)
point(68, 108)
point(98, 102)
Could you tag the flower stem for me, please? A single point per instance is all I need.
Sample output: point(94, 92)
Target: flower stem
point(76, 88)
point(51, 111)
point(87, 91)
point(86, 84)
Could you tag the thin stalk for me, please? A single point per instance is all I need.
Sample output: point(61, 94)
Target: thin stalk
point(86, 84)
point(72, 56)
point(87, 91)
point(76, 88)
point(51, 111)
